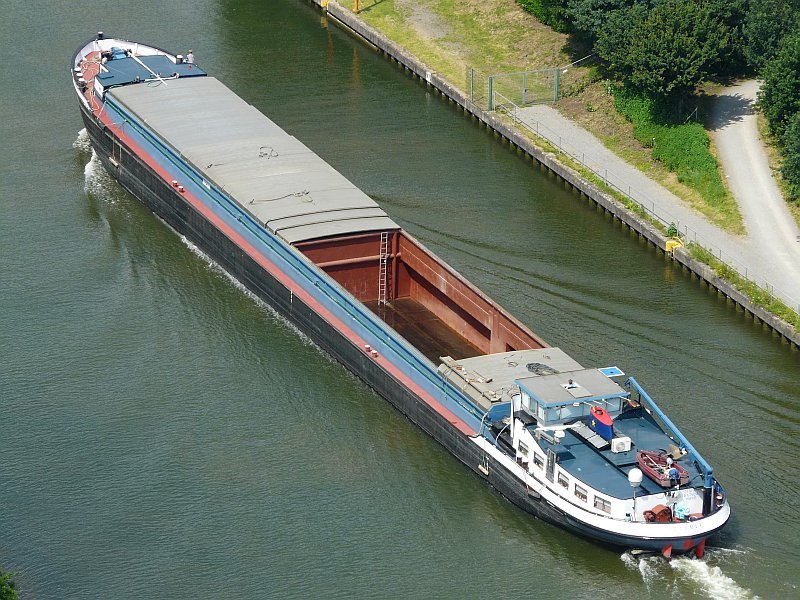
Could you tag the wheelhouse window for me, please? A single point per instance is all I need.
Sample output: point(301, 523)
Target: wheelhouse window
point(602, 504)
point(538, 460)
point(580, 493)
point(523, 450)
point(563, 481)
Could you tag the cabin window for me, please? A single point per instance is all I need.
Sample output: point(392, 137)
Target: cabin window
point(538, 460)
point(602, 504)
point(523, 450)
point(563, 481)
point(580, 493)
point(572, 411)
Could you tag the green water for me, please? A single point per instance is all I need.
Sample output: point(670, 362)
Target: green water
point(165, 435)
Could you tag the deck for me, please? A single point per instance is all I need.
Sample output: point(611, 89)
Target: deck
point(423, 329)
point(607, 471)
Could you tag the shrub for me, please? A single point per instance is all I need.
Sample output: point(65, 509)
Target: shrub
point(682, 147)
point(554, 13)
point(8, 589)
point(791, 157)
point(780, 95)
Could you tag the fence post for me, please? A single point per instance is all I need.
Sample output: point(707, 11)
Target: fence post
point(490, 99)
point(524, 86)
point(472, 85)
point(555, 85)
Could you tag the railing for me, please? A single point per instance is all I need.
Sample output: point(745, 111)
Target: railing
point(308, 275)
point(668, 221)
point(652, 408)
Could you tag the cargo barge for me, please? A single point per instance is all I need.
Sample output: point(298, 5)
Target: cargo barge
point(557, 439)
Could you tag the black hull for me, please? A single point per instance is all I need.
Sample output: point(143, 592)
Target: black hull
point(136, 177)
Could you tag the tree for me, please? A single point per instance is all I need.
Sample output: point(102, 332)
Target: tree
point(664, 51)
point(766, 24)
point(780, 94)
point(733, 14)
point(589, 16)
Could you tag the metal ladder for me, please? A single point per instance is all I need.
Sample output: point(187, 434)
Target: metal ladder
point(383, 270)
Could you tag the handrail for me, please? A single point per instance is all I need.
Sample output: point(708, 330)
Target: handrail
point(707, 469)
point(369, 321)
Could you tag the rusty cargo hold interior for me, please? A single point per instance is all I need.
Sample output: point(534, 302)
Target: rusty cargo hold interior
point(425, 301)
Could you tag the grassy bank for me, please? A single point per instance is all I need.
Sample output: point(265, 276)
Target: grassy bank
point(497, 36)
point(449, 35)
point(759, 296)
point(684, 148)
point(426, 28)
point(775, 160)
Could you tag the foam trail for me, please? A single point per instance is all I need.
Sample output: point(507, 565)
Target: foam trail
point(242, 288)
point(681, 575)
point(97, 182)
point(711, 579)
point(647, 567)
point(83, 143)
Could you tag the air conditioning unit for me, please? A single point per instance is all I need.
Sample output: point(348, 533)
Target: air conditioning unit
point(621, 444)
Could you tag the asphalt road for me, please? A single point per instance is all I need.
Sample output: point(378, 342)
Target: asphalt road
point(773, 234)
point(770, 252)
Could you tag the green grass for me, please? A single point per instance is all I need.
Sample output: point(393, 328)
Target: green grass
point(490, 36)
point(684, 148)
point(756, 294)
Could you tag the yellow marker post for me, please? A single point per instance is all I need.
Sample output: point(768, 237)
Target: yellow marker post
point(355, 6)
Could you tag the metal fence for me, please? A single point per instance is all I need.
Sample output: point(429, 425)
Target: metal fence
point(476, 88)
point(505, 105)
point(523, 87)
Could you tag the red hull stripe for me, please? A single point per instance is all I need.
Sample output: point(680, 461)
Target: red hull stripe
point(270, 267)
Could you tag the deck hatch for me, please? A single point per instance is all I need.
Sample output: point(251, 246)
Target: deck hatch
point(272, 175)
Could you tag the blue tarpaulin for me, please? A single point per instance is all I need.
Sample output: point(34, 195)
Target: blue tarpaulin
point(126, 70)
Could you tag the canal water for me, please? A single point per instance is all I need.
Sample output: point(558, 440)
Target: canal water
point(164, 434)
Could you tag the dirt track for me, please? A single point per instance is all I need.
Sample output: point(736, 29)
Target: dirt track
point(772, 232)
point(770, 252)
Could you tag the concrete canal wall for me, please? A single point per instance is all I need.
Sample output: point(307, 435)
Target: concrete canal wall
point(516, 138)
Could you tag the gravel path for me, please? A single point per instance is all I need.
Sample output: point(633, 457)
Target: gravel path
point(771, 229)
point(743, 253)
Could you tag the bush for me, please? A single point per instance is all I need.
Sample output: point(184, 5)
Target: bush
point(8, 589)
point(682, 148)
point(780, 95)
point(554, 13)
point(791, 157)
point(765, 25)
point(665, 49)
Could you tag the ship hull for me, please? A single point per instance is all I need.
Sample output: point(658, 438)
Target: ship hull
point(136, 176)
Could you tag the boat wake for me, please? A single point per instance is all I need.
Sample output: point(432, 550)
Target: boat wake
point(687, 577)
point(97, 182)
point(242, 288)
point(83, 143)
